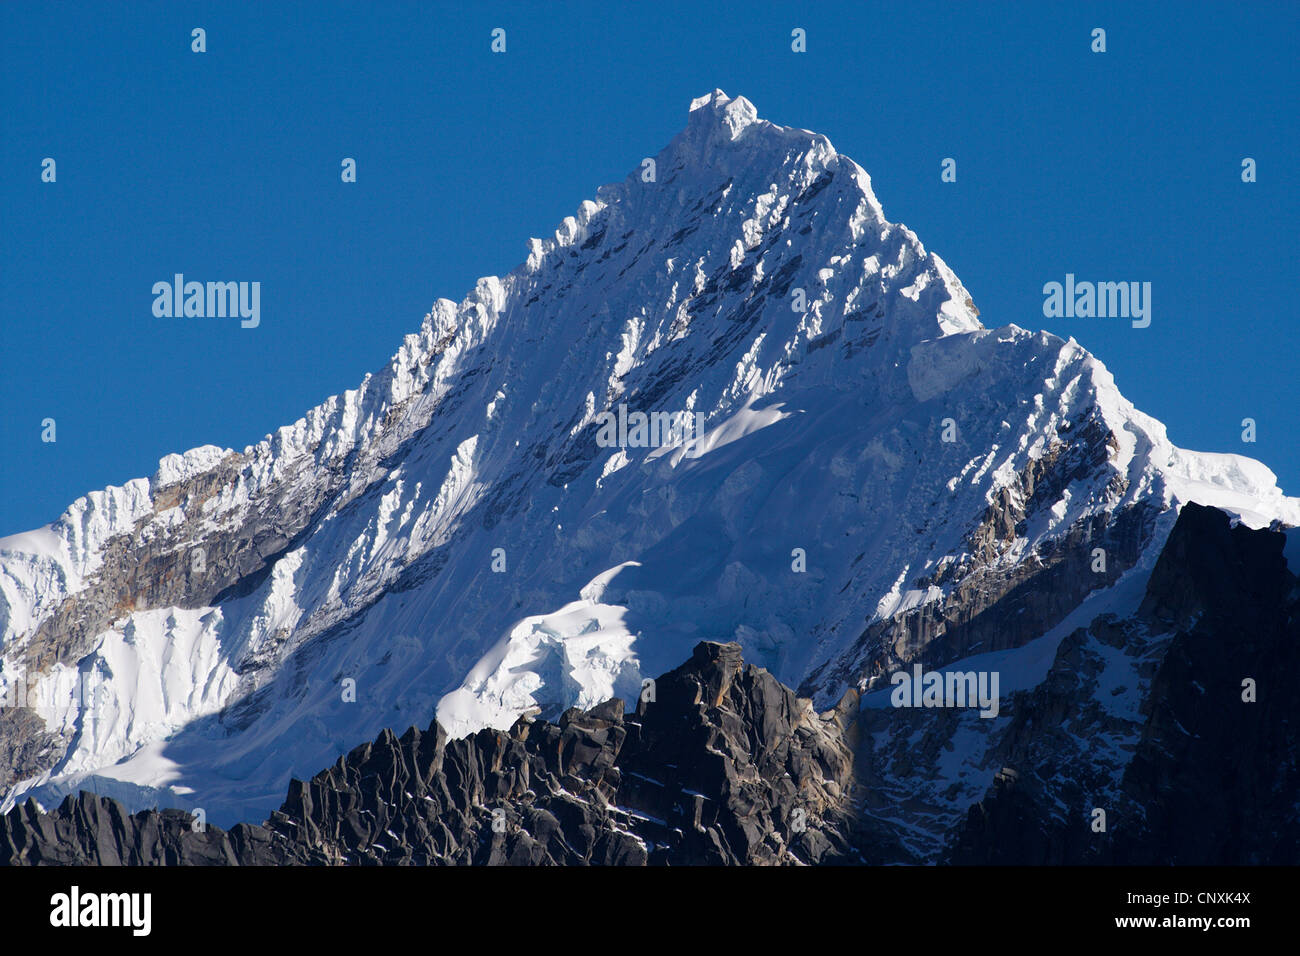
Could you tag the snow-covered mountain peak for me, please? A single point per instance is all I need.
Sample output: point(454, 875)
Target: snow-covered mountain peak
point(871, 463)
point(718, 113)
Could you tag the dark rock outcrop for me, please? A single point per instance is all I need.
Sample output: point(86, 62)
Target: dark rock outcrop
point(996, 605)
point(1178, 723)
point(1213, 777)
point(720, 764)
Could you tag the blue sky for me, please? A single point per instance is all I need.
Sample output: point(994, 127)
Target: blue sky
point(225, 165)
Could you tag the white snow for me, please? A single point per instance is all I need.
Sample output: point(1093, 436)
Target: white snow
point(581, 655)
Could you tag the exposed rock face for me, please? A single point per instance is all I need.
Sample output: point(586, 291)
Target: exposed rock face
point(721, 764)
point(160, 564)
point(995, 599)
point(1140, 716)
point(26, 746)
point(1213, 779)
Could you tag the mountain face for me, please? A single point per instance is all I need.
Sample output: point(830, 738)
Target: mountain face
point(601, 787)
point(722, 765)
point(879, 482)
point(1145, 717)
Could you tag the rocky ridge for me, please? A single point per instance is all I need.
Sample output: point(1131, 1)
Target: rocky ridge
point(719, 764)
